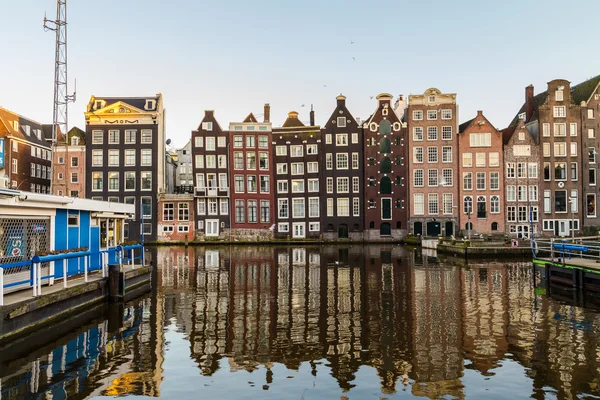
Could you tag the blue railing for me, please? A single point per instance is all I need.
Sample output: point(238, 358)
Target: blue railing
point(31, 273)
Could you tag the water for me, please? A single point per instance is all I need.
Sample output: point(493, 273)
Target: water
point(374, 322)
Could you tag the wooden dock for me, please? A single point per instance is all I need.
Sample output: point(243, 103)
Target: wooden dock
point(578, 273)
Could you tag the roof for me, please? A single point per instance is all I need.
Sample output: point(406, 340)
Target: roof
point(465, 125)
point(250, 118)
point(292, 120)
point(74, 132)
point(580, 92)
point(7, 127)
point(137, 102)
point(507, 133)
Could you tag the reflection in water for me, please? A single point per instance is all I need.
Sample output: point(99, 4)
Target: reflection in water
point(364, 321)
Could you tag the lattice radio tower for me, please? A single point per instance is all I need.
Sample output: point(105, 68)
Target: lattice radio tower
point(60, 119)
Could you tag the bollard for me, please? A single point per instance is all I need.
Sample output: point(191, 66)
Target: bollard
point(116, 283)
point(115, 317)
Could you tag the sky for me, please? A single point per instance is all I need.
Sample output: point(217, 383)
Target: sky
point(232, 56)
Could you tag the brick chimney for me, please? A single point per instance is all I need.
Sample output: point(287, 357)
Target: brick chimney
point(528, 102)
point(341, 100)
point(267, 113)
point(312, 116)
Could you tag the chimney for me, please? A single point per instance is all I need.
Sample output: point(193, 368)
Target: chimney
point(528, 102)
point(312, 116)
point(267, 114)
point(341, 100)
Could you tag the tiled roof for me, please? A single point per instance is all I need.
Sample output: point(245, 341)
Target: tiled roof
point(7, 127)
point(464, 125)
point(507, 133)
point(292, 120)
point(250, 118)
point(137, 102)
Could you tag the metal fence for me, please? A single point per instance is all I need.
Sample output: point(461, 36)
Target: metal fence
point(587, 247)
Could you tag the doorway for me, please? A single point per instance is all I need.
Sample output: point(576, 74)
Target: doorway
point(449, 228)
point(433, 228)
point(343, 231)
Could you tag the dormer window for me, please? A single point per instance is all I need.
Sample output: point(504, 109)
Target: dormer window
point(207, 126)
point(98, 104)
point(431, 99)
point(27, 130)
point(521, 135)
point(16, 125)
point(559, 95)
point(75, 141)
point(150, 104)
point(522, 116)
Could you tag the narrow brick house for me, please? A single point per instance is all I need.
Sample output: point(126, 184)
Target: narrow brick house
point(176, 218)
point(296, 154)
point(482, 188)
point(210, 165)
point(251, 170)
point(522, 179)
point(69, 165)
point(343, 207)
point(433, 163)
point(386, 190)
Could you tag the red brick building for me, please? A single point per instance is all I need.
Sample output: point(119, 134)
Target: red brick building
point(251, 171)
point(385, 173)
point(176, 218)
point(482, 186)
point(69, 165)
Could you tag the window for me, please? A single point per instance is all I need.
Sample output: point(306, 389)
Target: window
point(558, 95)
point(447, 154)
point(97, 158)
point(590, 202)
point(342, 160)
point(238, 142)
point(343, 207)
point(282, 169)
point(222, 161)
point(417, 115)
point(522, 193)
point(432, 177)
point(590, 113)
point(210, 143)
point(494, 180)
point(468, 205)
point(264, 184)
point(355, 184)
point(547, 208)
point(417, 155)
point(341, 122)
point(252, 211)
point(146, 136)
point(130, 136)
point(467, 159)
point(250, 143)
point(547, 171)
point(433, 203)
point(418, 178)
point(574, 171)
point(592, 155)
point(480, 159)
point(468, 181)
point(97, 181)
point(74, 177)
point(129, 180)
point(560, 201)
point(592, 176)
point(432, 133)
point(129, 157)
point(431, 114)
point(313, 185)
point(342, 185)
point(511, 214)
point(573, 149)
point(533, 193)
point(146, 178)
point(240, 212)
point(199, 141)
point(418, 133)
point(328, 138)
point(168, 212)
point(251, 183)
point(447, 177)
point(97, 137)
point(329, 185)
point(494, 160)
point(356, 207)
point(354, 138)
point(341, 139)
point(573, 129)
point(481, 207)
point(298, 186)
point(446, 133)
point(573, 200)
point(251, 161)
point(546, 130)
point(311, 149)
point(432, 154)
point(419, 201)
point(330, 207)
point(354, 161)
point(297, 168)
point(560, 171)
point(283, 228)
point(282, 186)
point(296, 151)
point(522, 213)
point(521, 170)
point(224, 205)
point(113, 136)
point(329, 161)
point(446, 114)
point(480, 181)
point(312, 167)
point(74, 161)
point(480, 139)
point(263, 161)
point(113, 181)
point(113, 158)
point(560, 130)
point(313, 207)
point(298, 209)
point(265, 211)
point(560, 112)
point(546, 149)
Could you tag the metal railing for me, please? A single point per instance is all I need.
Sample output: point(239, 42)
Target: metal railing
point(587, 247)
point(31, 274)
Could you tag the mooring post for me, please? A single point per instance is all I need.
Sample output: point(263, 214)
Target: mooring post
point(116, 283)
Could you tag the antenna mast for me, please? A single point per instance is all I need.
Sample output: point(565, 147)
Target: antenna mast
point(61, 98)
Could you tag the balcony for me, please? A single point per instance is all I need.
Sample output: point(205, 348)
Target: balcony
point(211, 192)
point(184, 189)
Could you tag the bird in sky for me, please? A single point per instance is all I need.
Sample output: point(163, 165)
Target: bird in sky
point(302, 105)
point(354, 58)
point(352, 42)
point(324, 85)
point(371, 97)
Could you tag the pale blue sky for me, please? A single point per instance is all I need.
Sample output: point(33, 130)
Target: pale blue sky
point(233, 56)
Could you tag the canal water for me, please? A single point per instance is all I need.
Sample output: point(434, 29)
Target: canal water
point(357, 322)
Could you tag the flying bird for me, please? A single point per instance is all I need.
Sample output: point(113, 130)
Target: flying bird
point(302, 105)
point(371, 97)
point(354, 58)
point(351, 42)
point(324, 85)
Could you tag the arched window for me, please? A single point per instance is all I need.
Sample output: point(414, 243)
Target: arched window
point(468, 205)
point(385, 185)
point(495, 205)
point(385, 127)
point(481, 207)
point(385, 146)
point(469, 226)
point(385, 165)
point(494, 226)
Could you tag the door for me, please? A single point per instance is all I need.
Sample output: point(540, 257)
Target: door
point(299, 232)
point(449, 228)
point(418, 228)
point(433, 228)
point(386, 208)
point(343, 231)
point(211, 227)
point(385, 229)
point(563, 228)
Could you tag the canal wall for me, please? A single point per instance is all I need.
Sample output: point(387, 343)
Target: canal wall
point(34, 313)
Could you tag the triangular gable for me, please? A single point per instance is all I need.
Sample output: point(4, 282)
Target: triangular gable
point(120, 107)
point(250, 118)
